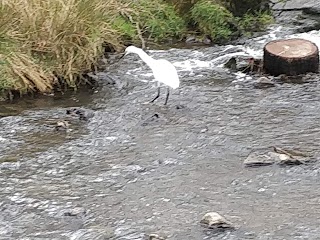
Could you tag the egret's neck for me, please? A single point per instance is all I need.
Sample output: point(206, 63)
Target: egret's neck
point(146, 58)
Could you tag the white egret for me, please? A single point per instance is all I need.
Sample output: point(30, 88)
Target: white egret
point(163, 71)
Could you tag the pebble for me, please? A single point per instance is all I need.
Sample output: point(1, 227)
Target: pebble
point(154, 236)
point(62, 125)
point(213, 220)
point(264, 82)
point(74, 212)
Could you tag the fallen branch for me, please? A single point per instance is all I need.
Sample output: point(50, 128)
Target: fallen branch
point(143, 43)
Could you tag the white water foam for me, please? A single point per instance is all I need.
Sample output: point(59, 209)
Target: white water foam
point(254, 48)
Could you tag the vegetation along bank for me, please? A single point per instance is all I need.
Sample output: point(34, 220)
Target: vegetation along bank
point(48, 46)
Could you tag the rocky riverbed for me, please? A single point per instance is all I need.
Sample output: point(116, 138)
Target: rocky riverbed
point(134, 169)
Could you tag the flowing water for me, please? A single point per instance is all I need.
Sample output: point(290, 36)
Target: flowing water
point(137, 168)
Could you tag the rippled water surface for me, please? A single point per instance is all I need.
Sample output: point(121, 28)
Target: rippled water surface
point(126, 173)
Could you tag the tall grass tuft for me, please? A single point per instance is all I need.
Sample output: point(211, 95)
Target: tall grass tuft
point(212, 19)
point(43, 40)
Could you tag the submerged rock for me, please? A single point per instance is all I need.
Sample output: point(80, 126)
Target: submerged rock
point(154, 236)
point(213, 220)
point(77, 211)
point(81, 113)
point(277, 156)
point(263, 82)
point(62, 125)
point(231, 64)
point(257, 159)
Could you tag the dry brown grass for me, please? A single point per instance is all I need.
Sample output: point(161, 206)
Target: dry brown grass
point(40, 40)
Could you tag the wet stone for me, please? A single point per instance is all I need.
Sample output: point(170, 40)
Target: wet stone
point(80, 113)
point(231, 64)
point(62, 126)
point(277, 156)
point(154, 236)
point(257, 159)
point(263, 82)
point(77, 211)
point(213, 220)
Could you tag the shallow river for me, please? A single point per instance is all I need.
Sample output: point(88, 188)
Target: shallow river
point(126, 172)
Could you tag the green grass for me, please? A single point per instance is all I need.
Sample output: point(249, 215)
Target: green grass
point(7, 79)
point(160, 20)
point(254, 22)
point(126, 28)
point(213, 20)
point(48, 43)
point(157, 20)
point(53, 39)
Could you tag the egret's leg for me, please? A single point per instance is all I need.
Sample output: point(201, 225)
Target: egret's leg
point(167, 97)
point(158, 94)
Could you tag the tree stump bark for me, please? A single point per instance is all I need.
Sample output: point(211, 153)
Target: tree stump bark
point(291, 57)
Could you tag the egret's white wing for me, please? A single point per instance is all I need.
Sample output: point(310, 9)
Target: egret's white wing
point(165, 73)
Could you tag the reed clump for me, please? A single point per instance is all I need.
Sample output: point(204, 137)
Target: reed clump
point(53, 43)
point(43, 41)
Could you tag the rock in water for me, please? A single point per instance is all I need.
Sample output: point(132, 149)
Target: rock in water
point(62, 125)
point(291, 57)
point(231, 64)
point(264, 82)
point(154, 236)
point(82, 114)
point(256, 159)
point(214, 220)
point(278, 156)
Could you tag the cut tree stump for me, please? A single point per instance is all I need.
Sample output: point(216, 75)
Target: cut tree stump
point(291, 57)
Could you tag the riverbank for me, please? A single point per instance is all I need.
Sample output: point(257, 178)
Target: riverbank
point(50, 46)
